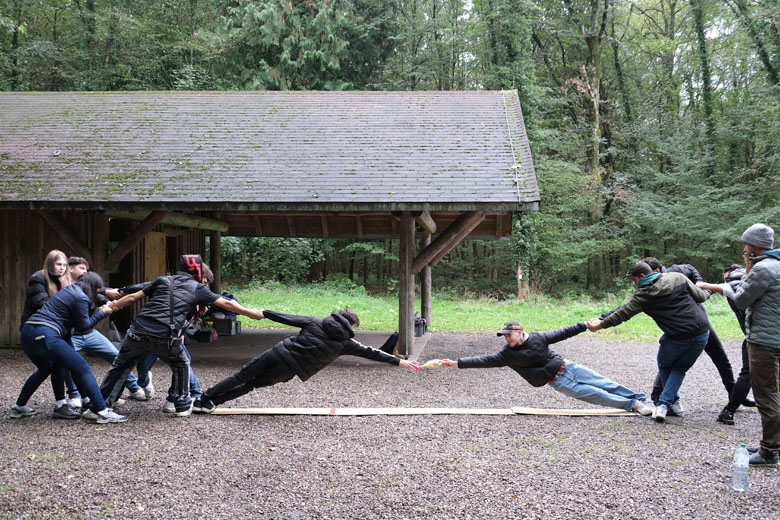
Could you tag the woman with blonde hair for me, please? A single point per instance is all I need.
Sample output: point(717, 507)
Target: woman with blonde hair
point(41, 287)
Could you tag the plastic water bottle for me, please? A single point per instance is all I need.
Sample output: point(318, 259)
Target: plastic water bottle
point(739, 474)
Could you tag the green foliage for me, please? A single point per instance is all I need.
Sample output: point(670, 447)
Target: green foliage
point(268, 259)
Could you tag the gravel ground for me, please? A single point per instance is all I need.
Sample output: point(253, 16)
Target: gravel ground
point(302, 467)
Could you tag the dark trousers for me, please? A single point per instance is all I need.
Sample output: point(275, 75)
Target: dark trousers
point(44, 346)
point(742, 386)
point(720, 359)
point(267, 369)
point(134, 347)
point(765, 378)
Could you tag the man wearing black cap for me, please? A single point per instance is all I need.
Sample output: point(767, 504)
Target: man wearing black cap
point(759, 294)
point(530, 356)
point(159, 324)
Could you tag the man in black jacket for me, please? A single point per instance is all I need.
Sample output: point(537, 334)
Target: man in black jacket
point(319, 343)
point(672, 300)
point(714, 348)
point(172, 300)
point(530, 356)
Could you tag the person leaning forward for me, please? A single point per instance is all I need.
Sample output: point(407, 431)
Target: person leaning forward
point(530, 356)
point(672, 300)
point(154, 327)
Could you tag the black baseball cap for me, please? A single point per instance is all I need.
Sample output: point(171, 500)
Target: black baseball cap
point(509, 326)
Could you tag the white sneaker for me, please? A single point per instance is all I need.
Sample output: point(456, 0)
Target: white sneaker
point(642, 408)
point(169, 407)
point(75, 403)
point(109, 416)
point(676, 409)
point(119, 402)
point(149, 389)
point(138, 395)
point(659, 414)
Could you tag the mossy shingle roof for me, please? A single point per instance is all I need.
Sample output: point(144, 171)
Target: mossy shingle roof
point(265, 151)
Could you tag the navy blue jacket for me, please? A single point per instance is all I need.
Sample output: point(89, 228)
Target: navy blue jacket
point(68, 309)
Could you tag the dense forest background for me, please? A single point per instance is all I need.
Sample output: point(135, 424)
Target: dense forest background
point(654, 123)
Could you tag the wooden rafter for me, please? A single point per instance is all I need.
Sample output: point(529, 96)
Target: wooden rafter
point(134, 238)
point(67, 234)
point(448, 239)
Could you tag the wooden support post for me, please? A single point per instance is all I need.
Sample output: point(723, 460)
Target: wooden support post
point(406, 286)
point(100, 233)
point(426, 222)
point(134, 238)
point(448, 239)
point(425, 284)
point(215, 260)
point(58, 224)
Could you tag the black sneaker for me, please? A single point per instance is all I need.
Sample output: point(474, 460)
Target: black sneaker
point(65, 412)
point(203, 406)
point(749, 403)
point(726, 417)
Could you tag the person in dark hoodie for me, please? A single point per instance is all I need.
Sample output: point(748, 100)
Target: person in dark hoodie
point(672, 300)
point(319, 343)
point(158, 329)
point(530, 356)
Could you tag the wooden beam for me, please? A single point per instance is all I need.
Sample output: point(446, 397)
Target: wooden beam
point(324, 221)
point(448, 239)
point(134, 238)
point(499, 225)
point(425, 284)
point(66, 233)
point(426, 222)
point(100, 234)
point(291, 226)
point(406, 286)
point(258, 227)
point(215, 260)
point(359, 222)
point(176, 219)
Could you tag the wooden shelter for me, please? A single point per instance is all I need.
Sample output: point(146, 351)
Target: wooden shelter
point(131, 180)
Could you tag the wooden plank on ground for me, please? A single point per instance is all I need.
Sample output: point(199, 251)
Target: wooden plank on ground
point(560, 411)
point(362, 411)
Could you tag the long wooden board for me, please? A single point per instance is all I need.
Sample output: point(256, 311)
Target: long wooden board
point(416, 411)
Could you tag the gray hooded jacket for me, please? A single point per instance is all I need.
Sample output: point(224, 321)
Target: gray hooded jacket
point(760, 295)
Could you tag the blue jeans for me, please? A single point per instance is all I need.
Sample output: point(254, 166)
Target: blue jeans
point(44, 346)
point(587, 385)
point(96, 343)
point(675, 357)
point(134, 347)
point(146, 364)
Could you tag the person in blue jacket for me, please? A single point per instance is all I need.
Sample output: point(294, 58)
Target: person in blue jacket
point(44, 340)
point(529, 355)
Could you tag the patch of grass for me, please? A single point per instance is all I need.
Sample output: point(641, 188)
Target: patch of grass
point(451, 314)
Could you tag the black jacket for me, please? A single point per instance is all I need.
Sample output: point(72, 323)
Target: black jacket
point(532, 359)
point(690, 272)
point(320, 342)
point(37, 294)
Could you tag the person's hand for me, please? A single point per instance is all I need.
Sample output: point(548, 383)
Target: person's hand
point(411, 366)
point(107, 309)
point(449, 363)
point(594, 325)
point(112, 294)
point(256, 314)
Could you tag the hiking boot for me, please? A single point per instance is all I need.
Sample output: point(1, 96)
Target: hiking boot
point(659, 414)
point(752, 449)
point(65, 412)
point(169, 407)
point(676, 409)
point(109, 416)
point(642, 408)
point(137, 395)
point(726, 416)
point(765, 462)
point(203, 406)
point(748, 403)
point(17, 412)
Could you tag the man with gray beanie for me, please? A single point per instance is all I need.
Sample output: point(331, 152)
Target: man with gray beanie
point(759, 294)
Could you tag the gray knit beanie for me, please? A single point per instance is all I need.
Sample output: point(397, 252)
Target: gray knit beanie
point(759, 235)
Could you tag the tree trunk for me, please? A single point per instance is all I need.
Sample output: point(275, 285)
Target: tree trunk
point(706, 80)
point(17, 21)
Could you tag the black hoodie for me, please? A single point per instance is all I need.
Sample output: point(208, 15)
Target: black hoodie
point(320, 342)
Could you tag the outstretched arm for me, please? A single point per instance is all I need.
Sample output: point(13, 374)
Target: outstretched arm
point(234, 306)
point(126, 300)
